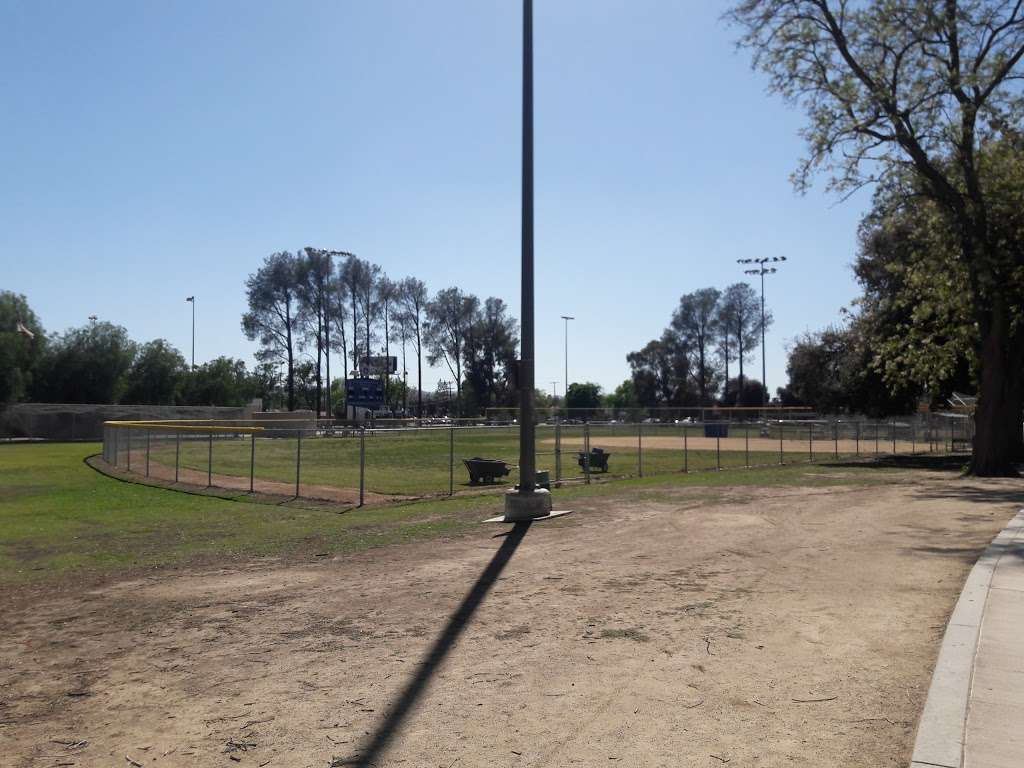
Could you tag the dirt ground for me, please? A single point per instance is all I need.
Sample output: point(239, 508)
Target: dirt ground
point(667, 627)
point(675, 443)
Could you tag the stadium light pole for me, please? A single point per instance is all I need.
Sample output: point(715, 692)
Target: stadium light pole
point(762, 270)
point(192, 300)
point(528, 502)
point(567, 318)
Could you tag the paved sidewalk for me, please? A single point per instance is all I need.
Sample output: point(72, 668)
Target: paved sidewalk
point(994, 736)
point(974, 714)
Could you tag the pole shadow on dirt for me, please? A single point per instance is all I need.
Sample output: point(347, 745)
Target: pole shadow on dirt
point(396, 715)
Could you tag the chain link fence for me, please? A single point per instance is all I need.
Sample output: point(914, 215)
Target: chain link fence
point(361, 465)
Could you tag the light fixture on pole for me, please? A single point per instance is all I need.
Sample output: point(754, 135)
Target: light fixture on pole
point(192, 300)
point(762, 270)
point(567, 318)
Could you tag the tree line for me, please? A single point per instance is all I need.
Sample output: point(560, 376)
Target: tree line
point(689, 364)
point(99, 363)
point(306, 306)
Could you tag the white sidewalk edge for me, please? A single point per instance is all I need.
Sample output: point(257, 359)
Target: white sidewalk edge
point(940, 731)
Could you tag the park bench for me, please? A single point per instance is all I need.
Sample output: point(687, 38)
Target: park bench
point(485, 470)
point(598, 459)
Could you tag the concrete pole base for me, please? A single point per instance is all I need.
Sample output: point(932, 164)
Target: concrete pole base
point(518, 508)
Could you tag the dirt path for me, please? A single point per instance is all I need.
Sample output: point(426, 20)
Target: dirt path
point(772, 627)
point(675, 443)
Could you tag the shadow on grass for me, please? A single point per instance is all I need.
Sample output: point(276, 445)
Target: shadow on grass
point(457, 623)
point(920, 461)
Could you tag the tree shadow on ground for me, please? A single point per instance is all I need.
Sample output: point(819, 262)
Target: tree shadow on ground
point(396, 715)
point(919, 461)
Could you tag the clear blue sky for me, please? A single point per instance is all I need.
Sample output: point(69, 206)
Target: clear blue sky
point(151, 151)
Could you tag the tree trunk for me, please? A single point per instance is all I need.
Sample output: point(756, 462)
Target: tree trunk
point(997, 418)
point(419, 370)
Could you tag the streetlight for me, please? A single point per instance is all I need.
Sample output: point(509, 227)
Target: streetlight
point(567, 318)
point(762, 270)
point(192, 300)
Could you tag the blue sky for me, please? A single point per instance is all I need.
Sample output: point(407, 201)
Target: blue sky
point(151, 151)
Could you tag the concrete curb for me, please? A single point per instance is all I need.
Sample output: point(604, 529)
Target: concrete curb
point(940, 732)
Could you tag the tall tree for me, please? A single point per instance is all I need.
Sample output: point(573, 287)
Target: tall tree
point(660, 372)
point(387, 298)
point(740, 321)
point(922, 86)
point(492, 336)
point(338, 308)
point(352, 276)
point(449, 317)
point(22, 342)
point(414, 298)
point(314, 270)
point(156, 375)
point(696, 322)
point(85, 365)
point(273, 313)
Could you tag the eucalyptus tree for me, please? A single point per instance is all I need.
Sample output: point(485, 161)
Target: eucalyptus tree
point(414, 298)
point(922, 86)
point(449, 316)
point(696, 324)
point(272, 296)
point(739, 317)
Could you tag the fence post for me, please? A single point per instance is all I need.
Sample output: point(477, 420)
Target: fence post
point(586, 451)
point(892, 433)
point(147, 452)
point(718, 448)
point(746, 444)
point(298, 460)
point(177, 454)
point(810, 442)
point(686, 449)
point(876, 438)
point(835, 436)
point(857, 437)
point(117, 453)
point(781, 427)
point(362, 463)
point(640, 449)
point(451, 461)
point(252, 463)
point(913, 438)
point(128, 434)
point(209, 462)
point(558, 452)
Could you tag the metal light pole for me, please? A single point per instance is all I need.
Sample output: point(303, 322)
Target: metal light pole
point(762, 270)
point(192, 300)
point(528, 503)
point(567, 318)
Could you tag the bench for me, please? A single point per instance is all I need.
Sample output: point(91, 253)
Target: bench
point(598, 459)
point(485, 470)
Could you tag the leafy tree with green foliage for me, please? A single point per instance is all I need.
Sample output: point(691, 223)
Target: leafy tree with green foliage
point(924, 86)
point(22, 344)
point(156, 375)
point(413, 297)
point(696, 322)
point(224, 381)
point(661, 373)
point(85, 365)
point(449, 319)
point(746, 394)
point(739, 322)
point(273, 316)
point(582, 399)
point(489, 353)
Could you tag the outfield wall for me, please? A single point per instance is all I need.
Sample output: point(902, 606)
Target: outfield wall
point(83, 421)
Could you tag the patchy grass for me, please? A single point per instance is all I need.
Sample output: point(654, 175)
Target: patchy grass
point(60, 517)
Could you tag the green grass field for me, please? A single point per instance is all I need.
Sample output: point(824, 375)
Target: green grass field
point(59, 517)
point(417, 463)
